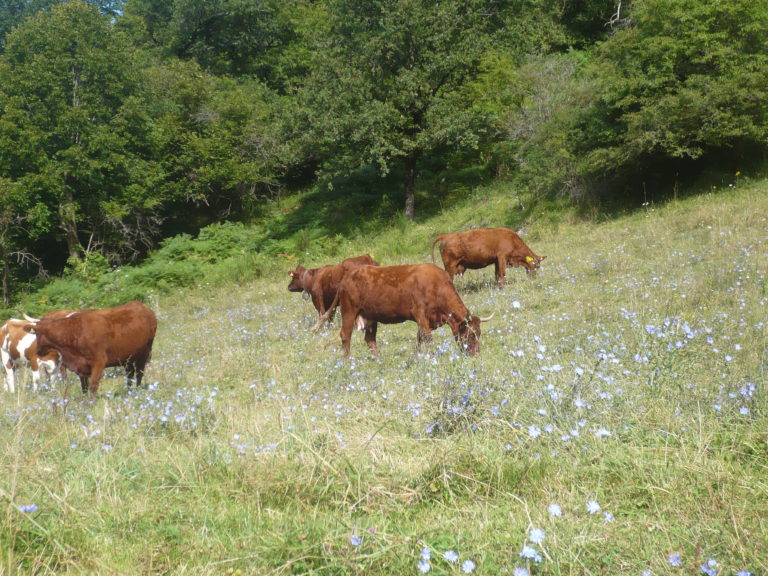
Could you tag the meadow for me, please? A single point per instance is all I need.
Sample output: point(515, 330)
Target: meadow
point(615, 421)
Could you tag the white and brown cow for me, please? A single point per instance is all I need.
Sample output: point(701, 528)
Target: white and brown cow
point(19, 347)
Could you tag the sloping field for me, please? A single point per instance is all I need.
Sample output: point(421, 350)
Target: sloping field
point(615, 422)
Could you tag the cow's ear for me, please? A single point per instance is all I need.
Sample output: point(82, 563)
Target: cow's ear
point(29, 328)
point(291, 273)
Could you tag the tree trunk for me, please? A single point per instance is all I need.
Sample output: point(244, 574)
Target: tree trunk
point(410, 187)
point(68, 216)
point(5, 259)
point(6, 298)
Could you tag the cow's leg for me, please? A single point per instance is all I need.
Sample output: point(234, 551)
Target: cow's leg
point(97, 371)
point(10, 381)
point(51, 368)
point(501, 269)
point(424, 335)
point(347, 327)
point(140, 372)
point(423, 339)
point(130, 373)
point(450, 267)
point(135, 368)
point(318, 303)
point(35, 367)
point(370, 336)
point(84, 384)
point(35, 379)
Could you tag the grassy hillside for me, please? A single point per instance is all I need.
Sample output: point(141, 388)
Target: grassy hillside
point(615, 421)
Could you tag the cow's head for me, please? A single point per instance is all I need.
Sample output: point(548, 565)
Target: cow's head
point(468, 334)
point(531, 263)
point(297, 279)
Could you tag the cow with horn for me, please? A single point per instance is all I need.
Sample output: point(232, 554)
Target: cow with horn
point(422, 293)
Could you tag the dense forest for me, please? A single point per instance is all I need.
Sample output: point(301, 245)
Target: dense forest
point(126, 122)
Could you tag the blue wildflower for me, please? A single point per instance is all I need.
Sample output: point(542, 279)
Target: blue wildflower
point(710, 568)
point(468, 566)
point(530, 553)
point(451, 556)
point(675, 560)
point(27, 508)
point(355, 540)
point(743, 573)
point(593, 507)
point(424, 566)
point(536, 535)
point(426, 553)
point(520, 572)
point(554, 510)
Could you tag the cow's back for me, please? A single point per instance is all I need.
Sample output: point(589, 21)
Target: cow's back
point(117, 334)
point(331, 276)
point(394, 291)
point(131, 330)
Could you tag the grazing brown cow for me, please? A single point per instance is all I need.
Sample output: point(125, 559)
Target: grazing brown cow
point(479, 248)
point(19, 347)
point(321, 284)
point(393, 294)
point(91, 340)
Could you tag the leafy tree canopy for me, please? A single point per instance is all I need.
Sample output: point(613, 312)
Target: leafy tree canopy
point(684, 77)
point(391, 87)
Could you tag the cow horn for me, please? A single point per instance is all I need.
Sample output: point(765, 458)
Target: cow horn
point(487, 317)
point(30, 319)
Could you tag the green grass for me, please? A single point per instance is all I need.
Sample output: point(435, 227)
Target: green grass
point(631, 372)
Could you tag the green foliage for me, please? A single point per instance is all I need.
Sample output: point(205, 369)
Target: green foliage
point(225, 37)
point(221, 253)
point(68, 87)
point(539, 106)
point(686, 77)
point(391, 90)
point(124, 123)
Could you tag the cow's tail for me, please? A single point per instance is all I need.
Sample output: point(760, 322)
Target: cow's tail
point(436, 241)
point(328, 313)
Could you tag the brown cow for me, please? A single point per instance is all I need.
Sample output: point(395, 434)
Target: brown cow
point(393, 294)
point(321, 284)
point(475, 249)
point(91, 340)
point(19, 347)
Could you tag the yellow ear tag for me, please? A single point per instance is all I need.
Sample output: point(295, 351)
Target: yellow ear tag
point(528, 259)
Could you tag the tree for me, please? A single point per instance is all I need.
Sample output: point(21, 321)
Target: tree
point(388, 81)
point(682, 78)
point(14, 12)
point(236, 37)
point(72, 130)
